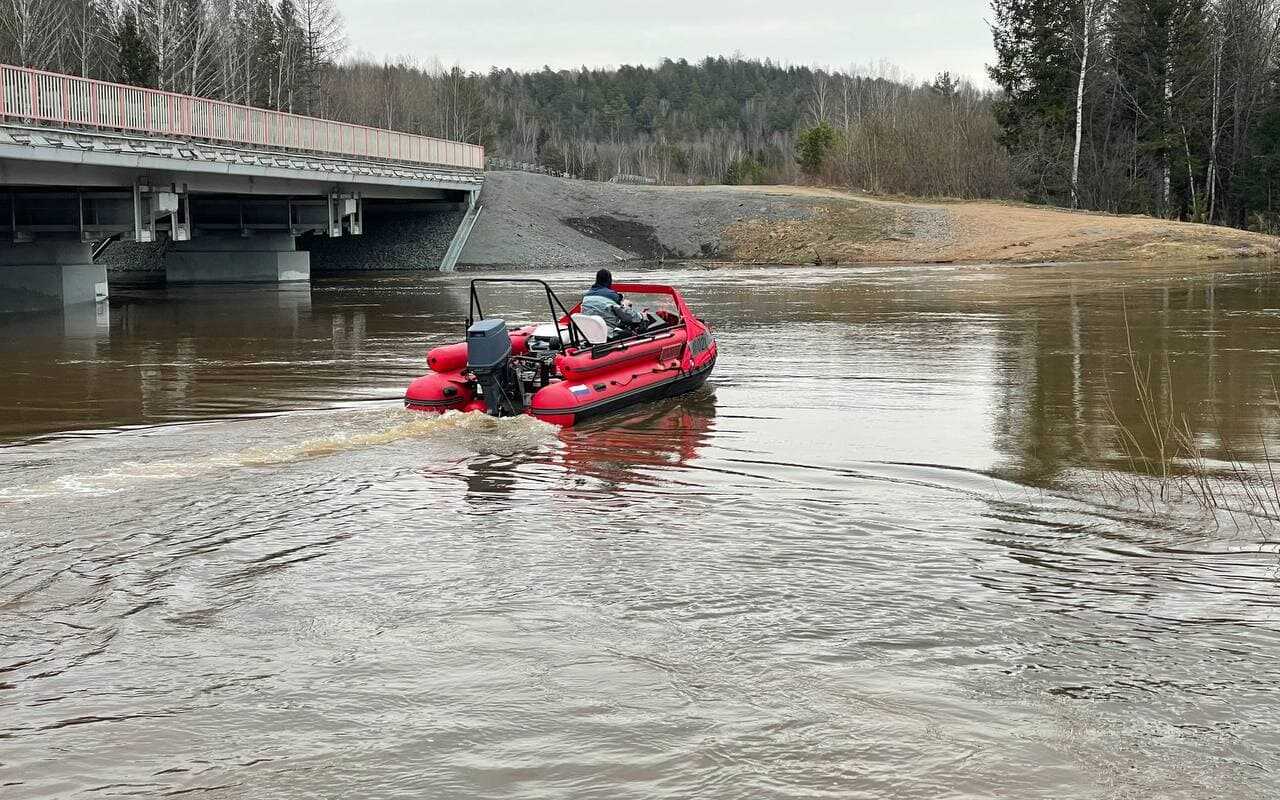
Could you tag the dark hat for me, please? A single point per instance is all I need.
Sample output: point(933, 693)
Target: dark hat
point(604, 278)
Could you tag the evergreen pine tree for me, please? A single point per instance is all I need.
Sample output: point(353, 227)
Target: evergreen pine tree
point(137, 60)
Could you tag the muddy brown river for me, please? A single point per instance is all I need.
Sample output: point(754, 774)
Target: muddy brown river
point(887, 552)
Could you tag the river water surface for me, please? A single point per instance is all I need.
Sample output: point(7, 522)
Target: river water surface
point(866, 561)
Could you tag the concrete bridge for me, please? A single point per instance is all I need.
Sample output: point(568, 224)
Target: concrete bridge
point(85, 163)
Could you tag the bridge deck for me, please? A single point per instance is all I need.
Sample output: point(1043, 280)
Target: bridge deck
point(30, 96)
point(42, 156)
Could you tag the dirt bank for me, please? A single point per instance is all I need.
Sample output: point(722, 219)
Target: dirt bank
point(535, 220)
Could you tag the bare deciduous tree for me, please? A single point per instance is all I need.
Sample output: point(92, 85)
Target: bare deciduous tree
point(30, 31)
point(323, 40)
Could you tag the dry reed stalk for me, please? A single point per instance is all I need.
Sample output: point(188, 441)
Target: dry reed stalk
point(1177, 470)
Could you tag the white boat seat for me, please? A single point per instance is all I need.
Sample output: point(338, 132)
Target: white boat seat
point(595, 329)
point(548, 331)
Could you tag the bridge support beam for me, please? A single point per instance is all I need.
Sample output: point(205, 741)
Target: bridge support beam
point(49, 274)
point(264, 258)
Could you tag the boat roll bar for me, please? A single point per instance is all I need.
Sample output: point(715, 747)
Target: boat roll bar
point(475, 312)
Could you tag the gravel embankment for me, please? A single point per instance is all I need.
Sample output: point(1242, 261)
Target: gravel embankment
point(540, 221)
point(134, 257)
point(392, 240)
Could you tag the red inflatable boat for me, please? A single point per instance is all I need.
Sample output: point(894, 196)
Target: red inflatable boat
point(568, 370)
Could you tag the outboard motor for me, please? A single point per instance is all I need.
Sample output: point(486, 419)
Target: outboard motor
point(489, 359)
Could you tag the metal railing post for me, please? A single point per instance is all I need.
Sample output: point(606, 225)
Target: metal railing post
point(34, 100)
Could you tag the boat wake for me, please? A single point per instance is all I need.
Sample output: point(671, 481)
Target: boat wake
point(475, 433)
point(286, 440)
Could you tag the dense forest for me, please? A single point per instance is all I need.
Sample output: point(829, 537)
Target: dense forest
point(1165, 107)
point(719, 120)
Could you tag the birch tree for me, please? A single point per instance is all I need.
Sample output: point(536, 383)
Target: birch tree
point(164, 28)
point(1091, 10)
point(87, 37)
point(1215, 115)
point(1249, 30)
point(30, 32)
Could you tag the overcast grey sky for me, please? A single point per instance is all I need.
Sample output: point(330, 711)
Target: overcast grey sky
point(923, 37)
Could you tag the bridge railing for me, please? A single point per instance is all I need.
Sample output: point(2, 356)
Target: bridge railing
point(53, 98)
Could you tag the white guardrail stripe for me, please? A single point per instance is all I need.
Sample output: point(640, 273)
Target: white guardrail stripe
point(32, 94)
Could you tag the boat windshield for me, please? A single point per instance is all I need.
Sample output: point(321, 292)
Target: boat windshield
point(662, 306)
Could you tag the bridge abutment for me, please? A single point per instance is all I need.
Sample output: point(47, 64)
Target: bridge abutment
point(51, 274)
point(264, 258)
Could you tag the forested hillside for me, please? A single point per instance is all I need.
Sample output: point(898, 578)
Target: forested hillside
point(732, 120)
point(720, 120)
point(1165, 107)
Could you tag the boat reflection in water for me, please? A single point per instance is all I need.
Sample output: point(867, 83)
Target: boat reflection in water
point(636, 446)
point(512, 457)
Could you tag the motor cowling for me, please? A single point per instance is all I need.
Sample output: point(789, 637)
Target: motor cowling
point(489, 359)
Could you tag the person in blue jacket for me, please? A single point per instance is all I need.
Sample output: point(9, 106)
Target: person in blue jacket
point(602, 301)
point(603, 287)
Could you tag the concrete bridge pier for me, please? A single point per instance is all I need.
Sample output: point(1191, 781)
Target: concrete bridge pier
point(260, 258)
point(47, 274)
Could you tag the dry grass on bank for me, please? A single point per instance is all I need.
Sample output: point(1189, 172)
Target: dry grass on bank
point(836, 234)
point(850, 229)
